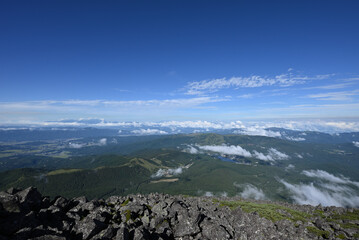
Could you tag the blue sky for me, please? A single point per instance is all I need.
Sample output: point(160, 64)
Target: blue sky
point(178, 60)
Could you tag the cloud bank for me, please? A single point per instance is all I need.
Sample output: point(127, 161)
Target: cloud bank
point(272, 154)
point(329, 177)
point(329, 190)
point(259, 128)
point(257, 131)
point(314, 195)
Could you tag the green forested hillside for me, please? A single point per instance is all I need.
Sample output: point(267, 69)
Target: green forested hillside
point(165, 164)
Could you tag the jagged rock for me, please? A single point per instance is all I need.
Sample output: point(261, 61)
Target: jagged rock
point(12, 190)
point(88, 227)
point(25, 214)
point(106, 234)
point(29, 198)
point(211, 230)
point(122, 232)
point(60, 202)
point(9, 202)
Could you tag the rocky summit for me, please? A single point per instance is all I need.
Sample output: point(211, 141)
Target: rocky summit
point(26, 214)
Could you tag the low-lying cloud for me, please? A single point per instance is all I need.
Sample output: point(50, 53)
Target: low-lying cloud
point(329, 177)
point(224, 149)
point(328, 190)
point(76, 145)
point(315, 195)
point(149, 132)
point(272, 154)
point(164, 172)
point(297, 139)
point(289, 167)
point(356, 144)
point(191, 149)
point(102, 142)
point(250, 191)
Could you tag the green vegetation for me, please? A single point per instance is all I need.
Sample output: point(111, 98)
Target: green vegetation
point(341, 236)
point(126, 167)
point(354, 215)
point(125, 203)
point(128, 215)
point(272, 212)
point(318, 232)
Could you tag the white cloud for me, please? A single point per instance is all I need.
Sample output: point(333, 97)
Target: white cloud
point(191, 150)
point(200, 124)
point(246, 96)
point(289, 167)
point(332, 86)
point(251, 192)
point(103, 141)
point(329, 177)
point(282, 80)
point(335, 96)
point(257, 131)
point(356, 144)
point(329, 126)
point(224, 149)
point(262, 156)
point(29, 110)
point(273, 154)
point(224, 194)
point(277, 155)
point(76, 145)
point(208, 194)
point(149, 132)
point(314, 195)
point(299, 155)
point(297, 139)
point(164, 172)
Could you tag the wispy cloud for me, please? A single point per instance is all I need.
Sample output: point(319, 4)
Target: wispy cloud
point(141, 109)
point(314, 195)
point(327, 190)
point(51, 104)
point(329, 177)
point(335, 96)
point(250, 191)
point(272, 155)
point(332, 86)
point(282, 80)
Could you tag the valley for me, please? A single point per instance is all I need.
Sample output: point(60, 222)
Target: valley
point(199, 164)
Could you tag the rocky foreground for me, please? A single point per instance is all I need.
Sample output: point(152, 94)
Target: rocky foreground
point(26, 214)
